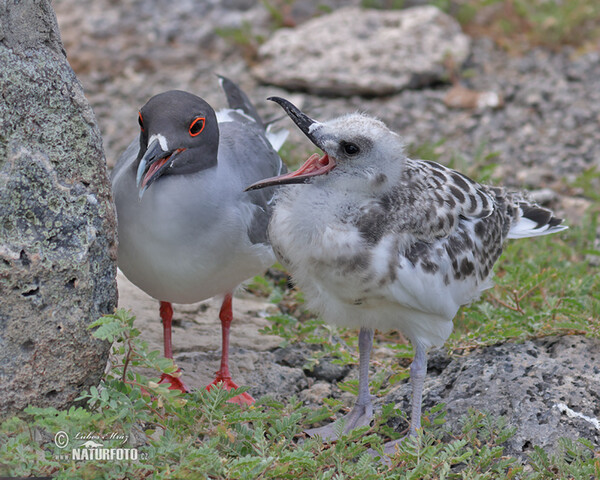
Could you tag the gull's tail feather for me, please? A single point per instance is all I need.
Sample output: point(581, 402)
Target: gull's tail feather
point(238, 100)
point(533, 221)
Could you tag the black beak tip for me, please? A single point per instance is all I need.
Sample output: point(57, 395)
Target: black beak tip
point(286, 104)
point(299, 117)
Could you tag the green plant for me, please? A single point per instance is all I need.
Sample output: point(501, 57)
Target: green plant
point(200, 435)
point(588, 182)
point(244, 38)
point(383, 4)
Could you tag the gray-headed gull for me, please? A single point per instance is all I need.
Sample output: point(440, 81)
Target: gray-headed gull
point(187, 230)
point(377, 240)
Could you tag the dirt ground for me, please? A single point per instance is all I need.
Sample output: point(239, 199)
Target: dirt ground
point(197, 333)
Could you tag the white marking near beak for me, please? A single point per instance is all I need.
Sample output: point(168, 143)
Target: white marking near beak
point(161, 140)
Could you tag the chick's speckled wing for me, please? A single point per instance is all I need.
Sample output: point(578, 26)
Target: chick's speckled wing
point(447, 232)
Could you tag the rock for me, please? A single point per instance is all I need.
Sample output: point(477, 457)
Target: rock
point(574, 209)
point(276, 381)
point(547, 388)
point(57, 227)
point(296, 355)
point(460, 96)
point(316, 393)
point(544, 196)
point(362, 51)
point(328, 371)
point(536, 175)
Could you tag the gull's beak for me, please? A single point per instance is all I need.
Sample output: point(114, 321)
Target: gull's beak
point(304, 122)
point(153, 164)
point(314, 166)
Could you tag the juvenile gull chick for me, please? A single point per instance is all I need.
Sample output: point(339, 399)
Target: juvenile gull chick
point(377, 240)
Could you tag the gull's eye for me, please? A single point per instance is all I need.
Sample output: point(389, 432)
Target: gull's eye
point(141, 121)
point(197, 126)
point(350, 148)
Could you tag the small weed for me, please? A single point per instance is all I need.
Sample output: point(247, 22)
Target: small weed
point(426, 151)
point(588, 183)
point(383, 4)
point(244, 38)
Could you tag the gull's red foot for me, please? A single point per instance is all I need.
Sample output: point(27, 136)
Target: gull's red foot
point(176, 382)
point(226, 382)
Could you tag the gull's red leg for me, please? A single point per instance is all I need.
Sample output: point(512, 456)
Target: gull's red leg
point(223, 375)
point(166, 314)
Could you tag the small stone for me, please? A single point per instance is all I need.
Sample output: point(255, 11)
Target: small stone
point(539, 176)
point(574, 209)
point(544, 196)
point(294, 355)
point(316, 393)
point(328, 371)
point(461, 97)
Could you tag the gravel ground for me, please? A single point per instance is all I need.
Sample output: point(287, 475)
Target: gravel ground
point(125, 52)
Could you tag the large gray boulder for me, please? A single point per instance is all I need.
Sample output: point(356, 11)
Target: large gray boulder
point(364, 52)
point(57, 224)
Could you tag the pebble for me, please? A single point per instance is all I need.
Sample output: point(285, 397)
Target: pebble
point(316, 393)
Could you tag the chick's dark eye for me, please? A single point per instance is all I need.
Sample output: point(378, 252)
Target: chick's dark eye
point(197, 126)
point(141, 121)
point(350, 148)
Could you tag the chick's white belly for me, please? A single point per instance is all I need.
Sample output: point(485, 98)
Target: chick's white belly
point(360, 304)
point(351, 284)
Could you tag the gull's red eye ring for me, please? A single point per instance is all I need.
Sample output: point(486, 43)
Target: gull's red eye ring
point(141, 121)
point(197, 126)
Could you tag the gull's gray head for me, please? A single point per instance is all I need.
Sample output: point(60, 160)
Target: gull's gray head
point(355, 144)
point(178, 135)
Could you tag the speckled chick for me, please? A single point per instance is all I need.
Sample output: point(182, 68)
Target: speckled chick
point(377, 240)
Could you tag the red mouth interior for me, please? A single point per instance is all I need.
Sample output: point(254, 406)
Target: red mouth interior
point(315, 162)
point(314, 165)
point(153, 168)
